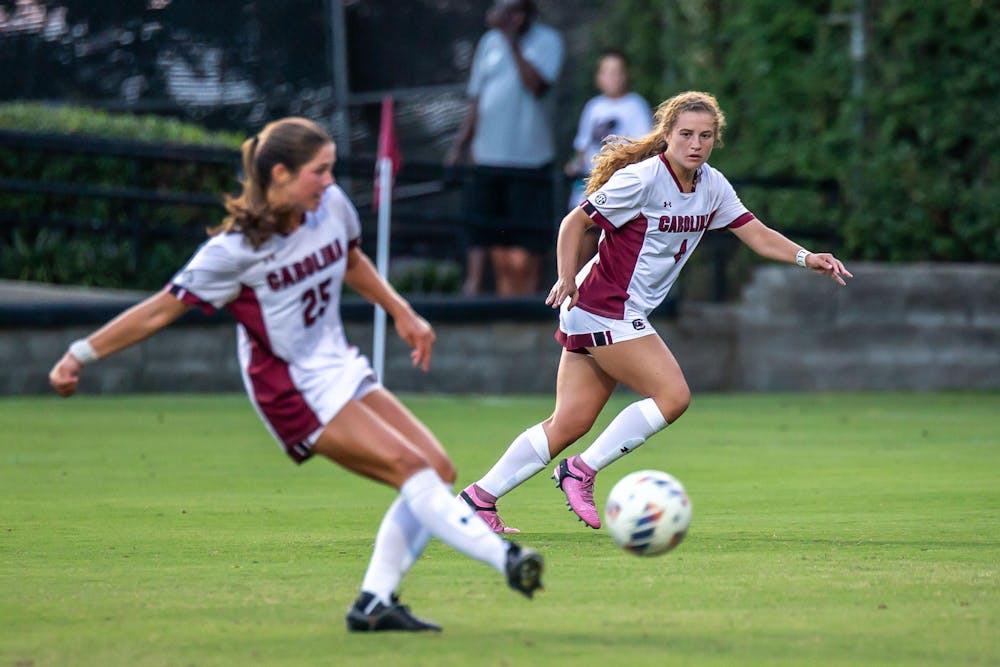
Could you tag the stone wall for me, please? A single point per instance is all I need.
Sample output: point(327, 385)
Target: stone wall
point(913, 327)
point(919, 327)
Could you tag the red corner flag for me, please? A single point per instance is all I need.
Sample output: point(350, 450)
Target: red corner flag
point(387, 146)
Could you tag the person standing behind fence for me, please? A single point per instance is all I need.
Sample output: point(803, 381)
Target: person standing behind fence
point(277, 264)
point(655, 198)
point(616, 111)
point(507, 136)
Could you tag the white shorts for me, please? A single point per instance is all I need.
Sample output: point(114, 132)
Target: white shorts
point(579, 329)
point(296, 403)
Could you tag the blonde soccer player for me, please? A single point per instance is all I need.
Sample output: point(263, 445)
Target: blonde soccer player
point(654, 199)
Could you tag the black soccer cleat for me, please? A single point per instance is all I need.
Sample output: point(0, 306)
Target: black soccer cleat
point(369, 614)
point(524, 569)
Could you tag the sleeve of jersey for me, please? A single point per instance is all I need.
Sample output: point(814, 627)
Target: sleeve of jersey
point(730, 212)
point(617, 202)
point(210, 279)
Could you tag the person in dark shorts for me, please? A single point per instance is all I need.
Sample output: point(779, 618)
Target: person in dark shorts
point(507, 137)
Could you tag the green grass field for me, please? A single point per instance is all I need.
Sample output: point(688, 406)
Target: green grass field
point(829, 529)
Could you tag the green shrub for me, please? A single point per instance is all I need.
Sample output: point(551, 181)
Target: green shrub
point(65, 238)
point(913, 149)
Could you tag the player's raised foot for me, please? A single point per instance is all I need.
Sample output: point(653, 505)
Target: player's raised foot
point(576, 479)
point(524, 569)
point(369, 614)
point(486, 509)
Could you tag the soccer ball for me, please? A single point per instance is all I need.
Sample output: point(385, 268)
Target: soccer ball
point(648, 512)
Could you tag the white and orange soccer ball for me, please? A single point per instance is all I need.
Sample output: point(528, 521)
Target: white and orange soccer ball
point(648, 512)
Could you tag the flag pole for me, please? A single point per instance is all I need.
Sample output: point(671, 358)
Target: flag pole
point(382, 260)
point(386, 166)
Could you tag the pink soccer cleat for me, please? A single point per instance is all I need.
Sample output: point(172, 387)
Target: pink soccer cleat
point(485, 507)
point(576, 479)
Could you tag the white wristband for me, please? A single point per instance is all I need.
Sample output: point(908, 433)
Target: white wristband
point(800, 257)
point(83, 351)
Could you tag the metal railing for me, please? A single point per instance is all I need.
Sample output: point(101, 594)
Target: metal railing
point(428, 220)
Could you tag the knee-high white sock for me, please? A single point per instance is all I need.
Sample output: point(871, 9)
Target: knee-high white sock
point(625, 433)
point(528, 454)
point(399, 542)
point(451, 520)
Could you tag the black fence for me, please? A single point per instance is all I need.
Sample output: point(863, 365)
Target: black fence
point(429, 229)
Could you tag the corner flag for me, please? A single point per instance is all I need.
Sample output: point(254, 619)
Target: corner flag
point(387, 146)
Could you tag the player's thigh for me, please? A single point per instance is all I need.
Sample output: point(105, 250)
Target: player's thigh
point(362, 441)
point(392, 410)
point(647, 366)
point(582, 390)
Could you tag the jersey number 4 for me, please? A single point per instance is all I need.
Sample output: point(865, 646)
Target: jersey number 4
point(316, 299)
point(680, 253)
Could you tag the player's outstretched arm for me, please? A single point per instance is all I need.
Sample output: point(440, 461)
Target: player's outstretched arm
point(771, 244)
point(135, 324)
point(415, 330)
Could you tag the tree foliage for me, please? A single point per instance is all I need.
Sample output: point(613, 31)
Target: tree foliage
point(909, 131)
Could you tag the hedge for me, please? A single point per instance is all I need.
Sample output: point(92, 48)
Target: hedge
point(911, 134)
point(65, 238)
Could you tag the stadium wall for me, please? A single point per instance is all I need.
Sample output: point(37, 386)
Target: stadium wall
point(912, 327)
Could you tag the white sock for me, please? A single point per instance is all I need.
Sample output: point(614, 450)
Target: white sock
point(625, 433)
point(451, 520)
point(528, 454)
point(399, 542)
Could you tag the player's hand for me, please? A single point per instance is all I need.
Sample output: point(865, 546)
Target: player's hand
point(419, 335)
point(828, 265)
point(562, 290)
point(65, 375)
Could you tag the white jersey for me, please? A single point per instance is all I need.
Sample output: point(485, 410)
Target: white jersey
point(626, 116)
point(297, 365)
point(650, 229)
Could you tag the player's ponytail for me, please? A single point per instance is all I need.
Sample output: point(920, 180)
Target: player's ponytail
point(289, 141)
point(620, 152)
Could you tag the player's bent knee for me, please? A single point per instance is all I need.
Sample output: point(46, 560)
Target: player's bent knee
point(674, 403)
point(407, 462)
point(446, 471)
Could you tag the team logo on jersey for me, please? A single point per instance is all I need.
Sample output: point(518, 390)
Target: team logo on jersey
point(638, 325)
point(600, 199)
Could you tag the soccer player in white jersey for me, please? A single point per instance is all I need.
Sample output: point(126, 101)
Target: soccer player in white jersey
point(277, 264)
point(654, 198)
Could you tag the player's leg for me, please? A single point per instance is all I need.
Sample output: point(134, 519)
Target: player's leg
point(582, 390)
point(397, 415)
point(401, 538)
point(362, 441)
point(648, 367)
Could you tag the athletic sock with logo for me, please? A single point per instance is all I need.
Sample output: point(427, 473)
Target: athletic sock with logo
point(451, 520)
point(626, 432)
